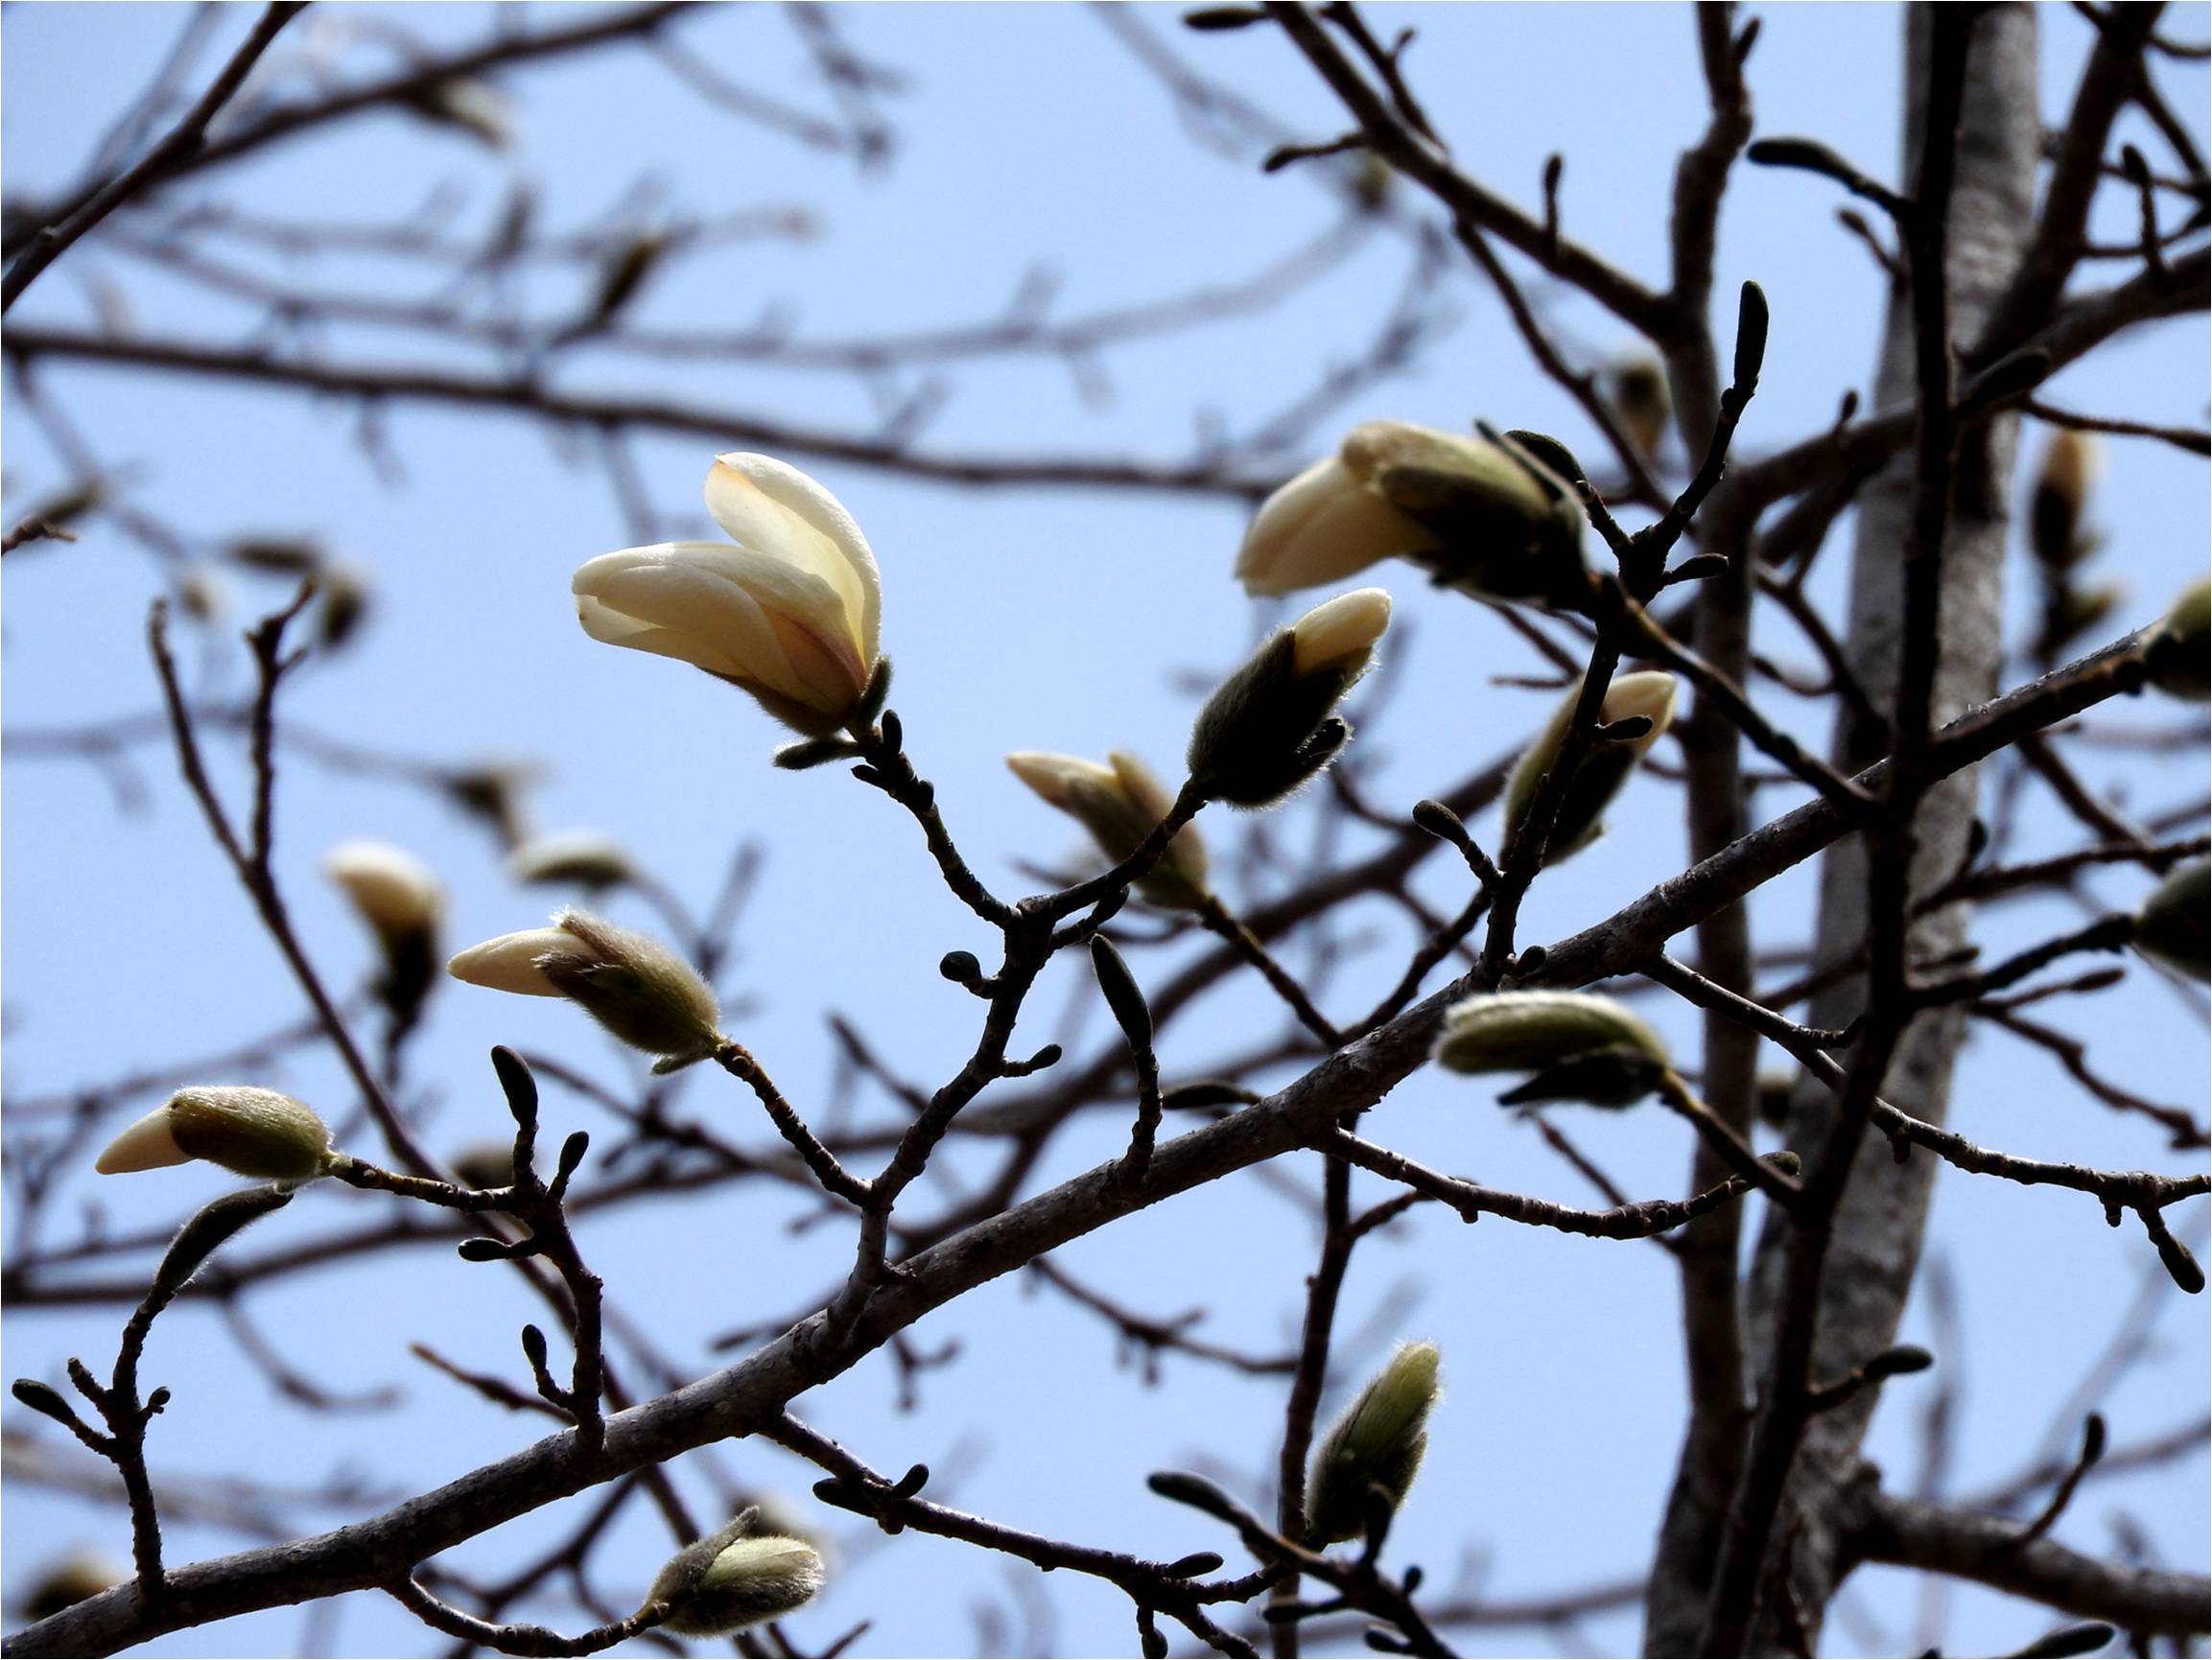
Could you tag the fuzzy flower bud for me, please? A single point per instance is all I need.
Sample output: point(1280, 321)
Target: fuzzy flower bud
point(2175, 925)
point(790, 613)
point(727, 1581)
point(635, 986)
point(1379, 1442)
point(582, 857)
point(1605, 766)
point(250, 1131)
point(2179, 653)
point(1582, 1047)
point(1270, 726)
point(1121, 803)
point(1482, 517)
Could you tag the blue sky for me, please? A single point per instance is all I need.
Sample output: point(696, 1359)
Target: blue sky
point(1050, 619)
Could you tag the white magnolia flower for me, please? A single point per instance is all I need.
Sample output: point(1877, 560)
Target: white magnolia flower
point(393, 890)
point(790, 612)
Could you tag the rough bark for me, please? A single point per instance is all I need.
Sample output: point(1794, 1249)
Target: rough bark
point(1880, 1226)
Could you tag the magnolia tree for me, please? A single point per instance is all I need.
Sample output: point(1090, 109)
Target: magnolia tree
point(1388, 951)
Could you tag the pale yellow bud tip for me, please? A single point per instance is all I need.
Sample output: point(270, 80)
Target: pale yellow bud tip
point(1339, 631)
point(250, 1131)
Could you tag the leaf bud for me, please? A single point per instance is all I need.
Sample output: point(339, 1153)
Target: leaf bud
point(1379, 1442)
point(250, 1131)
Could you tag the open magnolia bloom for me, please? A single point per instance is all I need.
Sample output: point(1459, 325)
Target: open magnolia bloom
point(789, 609)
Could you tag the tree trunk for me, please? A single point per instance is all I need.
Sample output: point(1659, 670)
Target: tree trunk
point(1879, 1231)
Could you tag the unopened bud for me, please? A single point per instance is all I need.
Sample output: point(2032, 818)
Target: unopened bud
point(1377, 1443)
point(483, 1164)
point(1269, 727)
point(1582, 1046)
point(1481, 516)
point(2173, 926)
point(69, 1582)
point(2071, 463)
point(582, 857)
point(2074, 612)
point(2179, 653)
point(250, 1131)
point(631, 984)
point(1120, 804)
point(1605, 768)
point(1637, 387)
point(463, 102)
point(394, 892)
point(279, 555)
point(727, 1581)
point(344, 592)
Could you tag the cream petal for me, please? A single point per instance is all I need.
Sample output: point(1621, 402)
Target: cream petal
point(509, 963)
point(1056, 777)
point(389, 886)
point(702, 604)
point(1321, 527)
point(772, 507)
point(1340, 628)
point(148, 1144)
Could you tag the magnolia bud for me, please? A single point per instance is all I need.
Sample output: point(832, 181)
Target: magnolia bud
point(344, 591)
point(279, 555)
point(2071, 463)
point(1269, 726)
point(596, 861)
point(1120, 804)
point(1605, 766)
point(2179, 651)
point(727, 1581)
point(470, 105)
point(250, 1131)
point(394, 891)
point(2073, 611)
point(1379, 1442)
point(635, 986)
point(483, 1164)
point(1482, 517)
point(69, 1582)
point(1637, 387)
point(2174, 925)
point(1581, 1046)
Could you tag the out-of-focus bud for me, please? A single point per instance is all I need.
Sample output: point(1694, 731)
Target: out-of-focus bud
point(1270, 726)
point(2179, 652)
point(1373, 179)
point(343, 591)
point(729, 1580)
point(623, 274)
point(467, 103)
point(204, 595)
point(250, 1131)
point(1775, 1089)
point(394, 891)
point(584, 856)
point(791, 614)
point(493, 791)
point(1581, 1048)
point(631, 984)
point(483, 1164)
point(1489, 520)
point(1605, 766)
point(1637, 387)
point(2071, 463)
point(2073, 611)
point(279, 555)
point(69, 1582)
point(1377, 1443)
point(2175, 925)
point(72, 503)
point(1120, 804)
